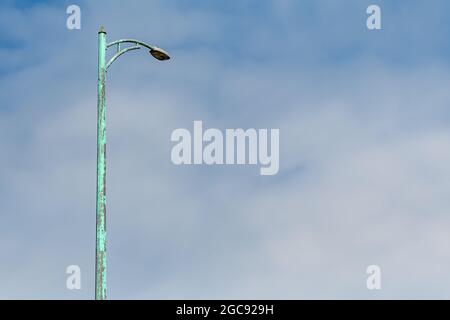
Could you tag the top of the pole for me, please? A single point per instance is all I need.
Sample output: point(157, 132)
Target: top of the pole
point(102, 30)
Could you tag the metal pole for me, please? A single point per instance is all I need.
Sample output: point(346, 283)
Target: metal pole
point(100, 248)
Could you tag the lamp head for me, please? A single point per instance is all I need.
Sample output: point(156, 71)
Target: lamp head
point(159, 54)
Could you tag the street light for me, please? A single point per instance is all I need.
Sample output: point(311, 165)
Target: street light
point(100, 247)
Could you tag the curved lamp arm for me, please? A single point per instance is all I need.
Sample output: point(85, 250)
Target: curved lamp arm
point(156, 52)
point(137, 42)
point(119, 53)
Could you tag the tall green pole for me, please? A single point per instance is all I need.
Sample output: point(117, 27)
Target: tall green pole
point(100, 248)
point(100, 244)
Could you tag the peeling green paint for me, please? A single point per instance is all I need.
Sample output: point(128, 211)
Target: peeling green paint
point(100, 274)
point(100, 246)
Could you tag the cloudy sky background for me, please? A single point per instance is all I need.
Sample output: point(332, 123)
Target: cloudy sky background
point(364, 150)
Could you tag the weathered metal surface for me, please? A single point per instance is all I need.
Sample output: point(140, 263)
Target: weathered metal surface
point(100, 248)
point(100, 271)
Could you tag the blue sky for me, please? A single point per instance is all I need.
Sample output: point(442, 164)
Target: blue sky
point(364, 146)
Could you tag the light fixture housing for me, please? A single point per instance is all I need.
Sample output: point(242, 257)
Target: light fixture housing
point(159, 54)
